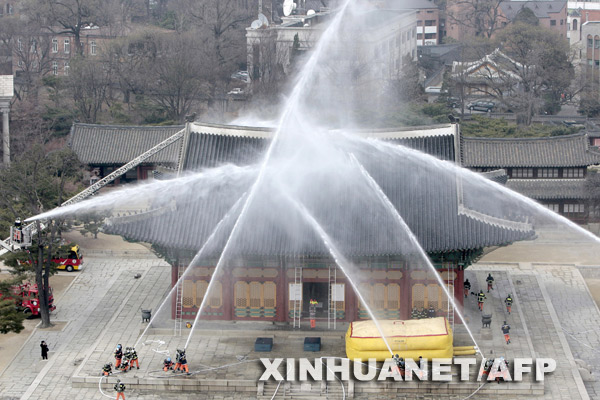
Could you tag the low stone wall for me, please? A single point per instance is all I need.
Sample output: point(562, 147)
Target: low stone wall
point(191, 384)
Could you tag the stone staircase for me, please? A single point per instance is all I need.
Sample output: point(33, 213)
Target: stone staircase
point(297, 390)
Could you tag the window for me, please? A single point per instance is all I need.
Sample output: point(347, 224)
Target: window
point(255, 299)
point(55, 45)
point(590, 42)
point(574, 24)
point(67, 67)
point(548, 173)
point(67, 46)
point(522, 173)
point(573, 208)
point(553, 207)
point(562, 21)
point(93, 47)
point(413, 33)
point(54, 67)
point(419, 23)
point(552, 22)
point(33, 47)
point(9, 9)
point(430, 22)
point(429, 11)
point(419, 36)
point(430, 36)
point(573, 173)
point(597, 42)
point(383, 299)
point(19, 44)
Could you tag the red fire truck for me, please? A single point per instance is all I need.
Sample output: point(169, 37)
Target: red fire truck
point(28, 296)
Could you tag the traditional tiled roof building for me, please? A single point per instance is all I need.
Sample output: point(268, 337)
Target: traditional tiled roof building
point(105, 148)
point(270, 265)
point(551, 170)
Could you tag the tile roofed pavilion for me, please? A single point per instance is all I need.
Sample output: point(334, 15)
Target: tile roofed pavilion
point(430, 206)
point(272, 256)
point(117, 145)
point(556, 151)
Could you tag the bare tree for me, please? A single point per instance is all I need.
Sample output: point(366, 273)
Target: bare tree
point(179, 74)
point(223, 23)
point(476, 17)
point(88, 83)
point(28, 47)
point(70, 16)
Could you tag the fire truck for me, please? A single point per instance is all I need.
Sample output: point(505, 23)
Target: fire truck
point(29, 302)
point(68, 257)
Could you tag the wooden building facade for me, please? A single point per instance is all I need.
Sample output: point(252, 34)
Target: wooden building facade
point(551, 170)
point(272, 278)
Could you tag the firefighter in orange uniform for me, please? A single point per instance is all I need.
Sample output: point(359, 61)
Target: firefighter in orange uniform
point(312, 313)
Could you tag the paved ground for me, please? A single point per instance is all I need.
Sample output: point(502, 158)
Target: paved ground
point(554, 316)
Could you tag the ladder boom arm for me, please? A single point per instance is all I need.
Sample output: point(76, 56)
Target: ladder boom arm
point(5, 244)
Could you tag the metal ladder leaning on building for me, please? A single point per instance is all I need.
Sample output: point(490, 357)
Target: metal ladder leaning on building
point(179, 301)
point(331, 309)
point(297, 295)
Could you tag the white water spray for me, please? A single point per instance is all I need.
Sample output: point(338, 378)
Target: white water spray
point(342, 263)
point(196, 258)
point(287, 115)
point(386, 201)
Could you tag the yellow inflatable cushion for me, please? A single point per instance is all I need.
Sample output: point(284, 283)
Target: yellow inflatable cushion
point(417, 335)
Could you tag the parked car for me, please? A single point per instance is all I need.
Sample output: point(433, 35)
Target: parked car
point(241, 76)
point(236, 90)
point(481, 105)
point(453, 102)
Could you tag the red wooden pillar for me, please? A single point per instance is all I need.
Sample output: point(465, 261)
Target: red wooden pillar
point(227, 293)
point(459, 291)
point(405, 295)
point(351, 303)
point(281, 294)
point(459, 285)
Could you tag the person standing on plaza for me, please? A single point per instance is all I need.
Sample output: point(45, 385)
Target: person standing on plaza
point(118, 356)
point(467, 287)
point(120, 389)
point(505, 330)
point(312, 313)
point(134, 358)
point(44, 347)
point(508, 301)
point(480, 299)
point(490, 282)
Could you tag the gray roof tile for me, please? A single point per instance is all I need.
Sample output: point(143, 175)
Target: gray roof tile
point(427, 202)
point(556, 151)
point(551, 189)
point(117, 145)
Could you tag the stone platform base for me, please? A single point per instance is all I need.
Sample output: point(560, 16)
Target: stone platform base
point(312, 390)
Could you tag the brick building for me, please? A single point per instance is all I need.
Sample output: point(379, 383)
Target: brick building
point(551, 14)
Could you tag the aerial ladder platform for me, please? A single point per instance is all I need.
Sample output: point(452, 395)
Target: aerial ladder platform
point(21, 236)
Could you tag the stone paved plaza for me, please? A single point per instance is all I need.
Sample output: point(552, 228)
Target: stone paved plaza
point(554, 316)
